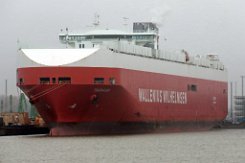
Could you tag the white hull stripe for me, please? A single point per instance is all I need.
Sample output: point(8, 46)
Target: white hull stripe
point(107, 58)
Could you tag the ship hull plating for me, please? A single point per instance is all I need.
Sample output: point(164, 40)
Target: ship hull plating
point(99, 100)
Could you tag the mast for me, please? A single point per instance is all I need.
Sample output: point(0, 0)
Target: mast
point(231, 100)
point(67, 37)
point(6, 95)
point(125, 22)
point(96, 20)
point(11, 103)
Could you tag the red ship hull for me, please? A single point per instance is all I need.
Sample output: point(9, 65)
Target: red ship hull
point(121, 100)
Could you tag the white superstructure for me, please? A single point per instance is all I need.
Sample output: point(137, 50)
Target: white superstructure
point(136, 51)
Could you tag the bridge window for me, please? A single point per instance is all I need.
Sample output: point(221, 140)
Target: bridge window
point(88, 37)
point(98, 80)
point(21, 81)
point(53, 80)
point(44, 80)
point(64, 80)
point(62, 38)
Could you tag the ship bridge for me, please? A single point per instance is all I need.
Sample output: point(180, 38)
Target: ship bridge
point(142, 42)
point(144, 34)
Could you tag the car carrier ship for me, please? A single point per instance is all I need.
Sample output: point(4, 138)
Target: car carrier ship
point(109, 81)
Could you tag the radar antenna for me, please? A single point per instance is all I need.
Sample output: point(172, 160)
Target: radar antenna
point(96, 20)
point(125, 21)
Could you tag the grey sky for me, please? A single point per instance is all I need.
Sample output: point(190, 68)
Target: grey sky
point(199, 26)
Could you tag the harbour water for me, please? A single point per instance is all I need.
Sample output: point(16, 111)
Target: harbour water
point(226, 146)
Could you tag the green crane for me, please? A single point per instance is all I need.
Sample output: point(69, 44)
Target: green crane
point(22, 103)
point(33, 112)
point(1, 105)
